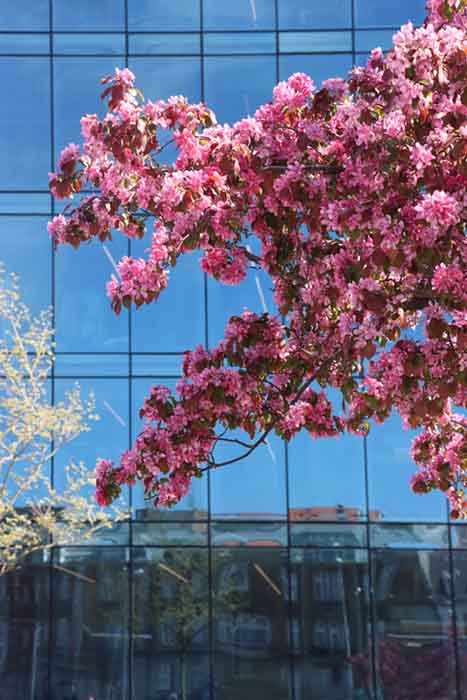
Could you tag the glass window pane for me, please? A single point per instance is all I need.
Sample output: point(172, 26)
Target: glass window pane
point(108, 436)
point(175, 322)
point(24, 630)
point(164, 534)
point(250, 624)
point(84, 320)
point(195, 505)
point(389, 470)
point(26, 250)
point(157, 365)
point(409, 536)
point(13, 203)
point(314, 14)
point(314, 42)
point(159, 78)
point(459, 561)
point(104, 15)
point(331, 625)
point(239, 534)
point(24, 43)
point(236, 86)
point(24, 15)
point(77, 92)
point(171, 628)
point(327, 476)
point(253, 488)
point(247, 42)
point(368, 40)
point(90, 623)
point(25, 114)
point(319, 68)
point(164, 43)
point(82, 44)
point(242, 14)
point(159, 15)
point(225, 301)
point(379, 13)
point(75, 365)
point(327, 535)
point(413, 609)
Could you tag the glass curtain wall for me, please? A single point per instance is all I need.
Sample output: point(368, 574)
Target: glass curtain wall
point(309, 571)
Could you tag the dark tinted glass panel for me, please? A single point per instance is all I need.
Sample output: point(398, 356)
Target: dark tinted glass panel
point(314, 42)
point(25, 15)
point(379, 13)
point(389, 470)
point(164, 43)
point(171, 623)
point(250, 625)
point(87, 14)
point(314, 14)
point(159, 15)
point(253, 488)
point(327, 534)
point(82, 44)
point(223, 42)
point(170, 533)
point(235, 534)
point(460, 586)
point(24, 43)
point(23, 116)
point(330, 624)
point(195, 505)
point(26, 250)
point(412, 614)
point(159, 78)
point(24, 630)
point(317, 67)
point(90, 623)
point(236, 86)
point(77, 92)
point(409, 536)
point(243, 14)
point(84, 319)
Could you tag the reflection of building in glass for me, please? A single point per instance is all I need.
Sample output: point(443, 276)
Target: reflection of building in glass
point(306, 572)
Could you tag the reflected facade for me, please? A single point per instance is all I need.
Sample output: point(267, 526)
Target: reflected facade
point(309, 571)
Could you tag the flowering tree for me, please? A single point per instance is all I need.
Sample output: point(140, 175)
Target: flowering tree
point(357, 194)
point(33, 515)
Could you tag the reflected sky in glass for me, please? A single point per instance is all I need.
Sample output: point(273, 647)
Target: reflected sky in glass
point(77, 92)
point(24, 15)
point(26, 250)
point(24, 114)
point(379, 13)
point(159, 78)
point(84, 319)
point(389, 470)
point(315, 14)
point(236, 86)
point(241, 14)
point(108, 15)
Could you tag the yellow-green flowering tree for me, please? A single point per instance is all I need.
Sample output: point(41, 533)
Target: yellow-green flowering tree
point(33, 515)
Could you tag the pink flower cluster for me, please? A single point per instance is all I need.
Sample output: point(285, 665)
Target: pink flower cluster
point(356, 196)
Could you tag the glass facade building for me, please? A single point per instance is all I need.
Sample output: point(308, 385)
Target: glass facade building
point(309, 571)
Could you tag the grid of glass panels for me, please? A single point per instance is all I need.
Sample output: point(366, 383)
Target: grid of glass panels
point(309, 570)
